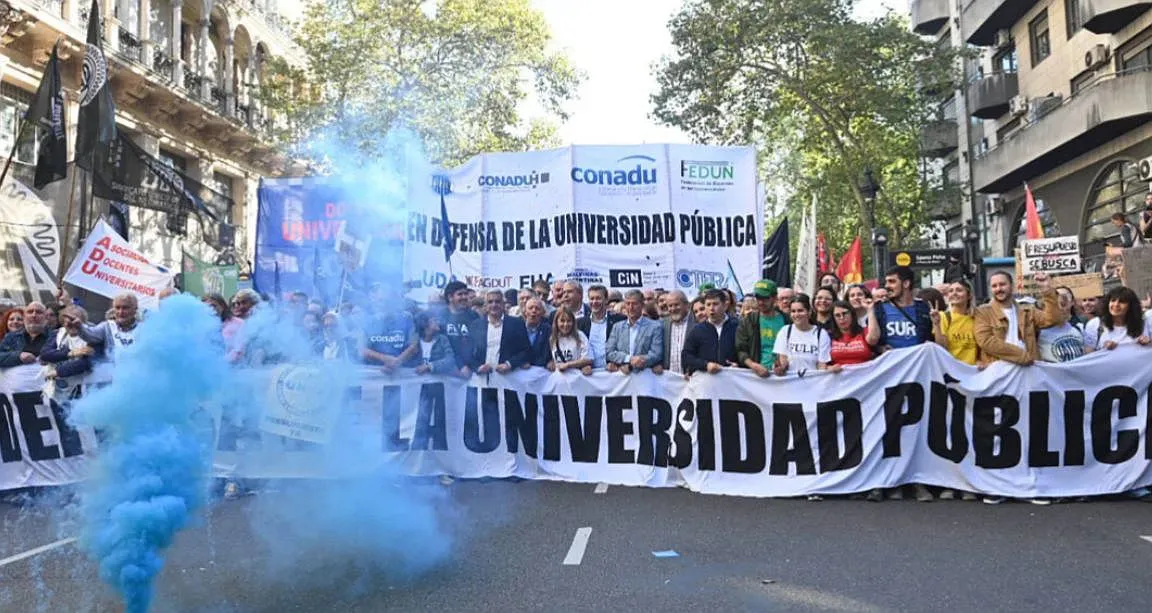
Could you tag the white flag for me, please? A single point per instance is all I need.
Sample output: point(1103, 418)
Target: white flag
point(805, 277)
point(109, 266)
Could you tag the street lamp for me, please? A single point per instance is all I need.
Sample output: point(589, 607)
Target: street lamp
point(869, 189)
point(971, 250)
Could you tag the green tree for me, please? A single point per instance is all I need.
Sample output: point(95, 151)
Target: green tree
point(822, 95)
point(456, 72)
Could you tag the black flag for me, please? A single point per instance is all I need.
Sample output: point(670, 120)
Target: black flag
point(777, 265)
point(96, 129)
point(47, 112)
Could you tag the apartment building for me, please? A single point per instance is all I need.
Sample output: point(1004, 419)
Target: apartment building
point(186, 77)
point(1063, 95)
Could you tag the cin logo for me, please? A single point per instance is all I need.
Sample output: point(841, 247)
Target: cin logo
point(696, 278)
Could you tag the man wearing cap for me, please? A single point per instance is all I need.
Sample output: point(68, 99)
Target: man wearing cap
point(756, 335)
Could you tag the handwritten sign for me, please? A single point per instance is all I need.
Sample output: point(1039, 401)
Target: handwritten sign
point(1087, 285)
point(1058, 255)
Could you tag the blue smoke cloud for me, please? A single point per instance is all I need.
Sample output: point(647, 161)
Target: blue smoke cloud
point(150, 476)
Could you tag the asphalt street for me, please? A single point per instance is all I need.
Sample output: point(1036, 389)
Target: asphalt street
point(518, 548)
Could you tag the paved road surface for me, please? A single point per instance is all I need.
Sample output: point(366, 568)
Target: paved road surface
point(735, 554)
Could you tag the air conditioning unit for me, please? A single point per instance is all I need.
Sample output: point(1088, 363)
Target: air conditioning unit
point(1096, 57)
point(1145, 169)
point(1003, 39)
point(1018, 105)
point(993, 205)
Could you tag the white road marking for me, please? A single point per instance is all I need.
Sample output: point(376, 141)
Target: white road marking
point(1147, 538)
point(579, 544)
point(600, 488)
point(36, 551)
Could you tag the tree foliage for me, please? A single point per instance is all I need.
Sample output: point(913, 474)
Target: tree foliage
point(455, 72)
point(823, 95)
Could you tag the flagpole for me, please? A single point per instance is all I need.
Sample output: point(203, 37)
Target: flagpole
point(67, 228)
point(12, 154)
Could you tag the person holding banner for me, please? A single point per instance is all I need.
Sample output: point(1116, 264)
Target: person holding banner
point(676, 327)
point(11, 321)
point(802, 346)
point(539, 331)
point(574, 299)
point(388, 333)
point(459, 321)
point(849, 340)
point(67, 356)
point(1006, 330)
point(1065, 342)
point(711, 346)
point(24, 346)
point(637, 343)
point(500, 342)
point(898, 320)
point(430, 351)
point(598, 326)
point(757, 333)
point(1120, 323)
point(568, 345)
point(955, 328)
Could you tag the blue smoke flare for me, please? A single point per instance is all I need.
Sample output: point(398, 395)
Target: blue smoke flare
point(150, 475)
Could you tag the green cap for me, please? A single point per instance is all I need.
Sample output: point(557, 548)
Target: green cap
point(706, 287)
point(764, 288)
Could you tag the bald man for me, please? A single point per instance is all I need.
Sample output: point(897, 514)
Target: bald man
point(23, 347)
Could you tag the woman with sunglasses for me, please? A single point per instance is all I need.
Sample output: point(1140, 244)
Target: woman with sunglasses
point(849, 339)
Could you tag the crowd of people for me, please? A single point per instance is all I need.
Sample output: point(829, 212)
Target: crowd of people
point(565, 327)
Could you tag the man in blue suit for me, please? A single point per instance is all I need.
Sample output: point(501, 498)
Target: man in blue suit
point(711, 345)
point(637, 343)
point(500, 342)
point(539, 331)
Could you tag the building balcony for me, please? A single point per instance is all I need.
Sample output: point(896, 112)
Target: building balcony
point(1110, 16)
point(1098, 113)
point(928, 16)
point(988, 97)
point(946, 205)
point(940, 137)
point(981, 19)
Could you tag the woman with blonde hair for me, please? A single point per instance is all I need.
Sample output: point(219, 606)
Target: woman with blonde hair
point(569, 346)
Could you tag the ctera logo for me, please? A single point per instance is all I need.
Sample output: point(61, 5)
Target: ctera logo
point(696, 278)
point(512, 183)
point(634, 175)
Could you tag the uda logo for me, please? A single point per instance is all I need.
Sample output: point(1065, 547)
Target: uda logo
point(300, 391)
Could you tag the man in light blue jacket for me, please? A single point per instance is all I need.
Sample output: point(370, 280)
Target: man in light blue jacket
point(637, 343)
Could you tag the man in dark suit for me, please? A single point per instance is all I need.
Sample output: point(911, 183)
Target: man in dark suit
point(539, 332)
point(500, 342)
point(598, 326)
point(711, 345)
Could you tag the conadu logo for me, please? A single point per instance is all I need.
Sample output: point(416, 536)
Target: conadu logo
point(634, 175)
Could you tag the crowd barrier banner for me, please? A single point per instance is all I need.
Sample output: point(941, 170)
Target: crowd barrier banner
point(672, 216)
point(914, 416)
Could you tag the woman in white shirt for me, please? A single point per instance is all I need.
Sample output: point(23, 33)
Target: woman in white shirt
point(1120, 323)
point(802, 346)
point(569, 346)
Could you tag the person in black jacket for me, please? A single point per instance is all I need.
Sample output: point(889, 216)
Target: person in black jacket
point(711, 345)
point(506, 347)
point(598, 326)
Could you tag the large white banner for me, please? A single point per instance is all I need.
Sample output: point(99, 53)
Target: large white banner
point(914, 416)
point(672, 216)
point(109, 266)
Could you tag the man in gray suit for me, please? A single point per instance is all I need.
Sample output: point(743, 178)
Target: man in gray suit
point(637, 343)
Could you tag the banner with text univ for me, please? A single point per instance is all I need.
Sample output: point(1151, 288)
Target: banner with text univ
point(672, 216)
point(909, 417)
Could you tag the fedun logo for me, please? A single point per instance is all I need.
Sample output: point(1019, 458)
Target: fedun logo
point(707, 176)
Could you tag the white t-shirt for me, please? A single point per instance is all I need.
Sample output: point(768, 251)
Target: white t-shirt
point(492, 355)
point(567, 348)
point(1060, 343)
point(804, 349)
point(1095, 336)
point(426, 350)
point(1013, 336)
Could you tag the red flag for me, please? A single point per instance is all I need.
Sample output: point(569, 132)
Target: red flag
point(851, 268)
point(823, 257)
point(1033, 229)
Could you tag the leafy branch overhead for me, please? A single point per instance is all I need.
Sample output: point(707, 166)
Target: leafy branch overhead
point(456, 72)
point(822, 95)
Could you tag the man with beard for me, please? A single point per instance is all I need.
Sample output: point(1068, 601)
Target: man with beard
point(756, 335)
point(676, 327)
point(24, 347)
point(1007, 330)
